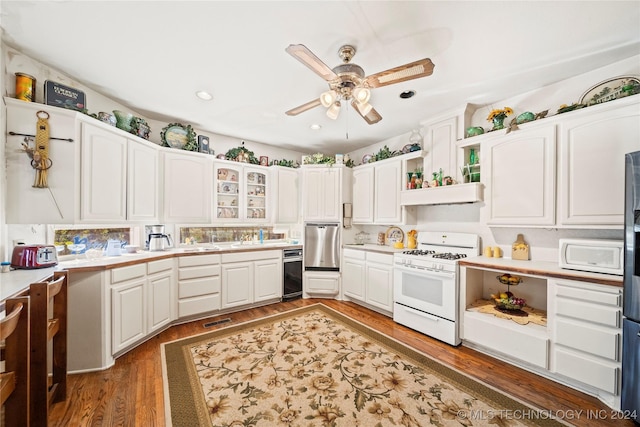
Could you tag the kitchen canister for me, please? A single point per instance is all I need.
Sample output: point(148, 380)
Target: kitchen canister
point(25, 87)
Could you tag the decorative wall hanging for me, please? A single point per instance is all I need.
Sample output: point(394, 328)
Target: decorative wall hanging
point(39, 155)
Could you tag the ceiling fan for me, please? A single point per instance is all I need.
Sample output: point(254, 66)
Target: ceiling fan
point(347, 82)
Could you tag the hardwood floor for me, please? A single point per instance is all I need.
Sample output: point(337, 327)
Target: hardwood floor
point(131, 392)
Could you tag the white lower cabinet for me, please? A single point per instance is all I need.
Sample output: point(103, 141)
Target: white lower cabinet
point(141, 301)
point(320, 284)
point(198, 284)
point(586, 330)
point(367, 277)
point(249, 277)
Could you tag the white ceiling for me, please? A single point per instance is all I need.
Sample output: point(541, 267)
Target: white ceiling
point(154, 55)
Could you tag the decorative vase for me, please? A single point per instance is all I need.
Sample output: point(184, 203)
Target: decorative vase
point(123, 120)
point(474, 131)
point(498, 121)
point(416, 137)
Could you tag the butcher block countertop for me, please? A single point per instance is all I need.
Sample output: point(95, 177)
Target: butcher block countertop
point(16, 281)
point(540, 268)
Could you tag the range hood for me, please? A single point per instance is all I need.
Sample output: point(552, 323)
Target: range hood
point(445, 195)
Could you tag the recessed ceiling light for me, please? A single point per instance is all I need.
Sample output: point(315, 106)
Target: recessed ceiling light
point(315, 126)
point(204, 95)
point(407, 94)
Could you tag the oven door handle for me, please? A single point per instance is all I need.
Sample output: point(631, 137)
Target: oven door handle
point(437, 273)
point(421, 313)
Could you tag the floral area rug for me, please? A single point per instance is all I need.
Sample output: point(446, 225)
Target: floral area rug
point(315, 367)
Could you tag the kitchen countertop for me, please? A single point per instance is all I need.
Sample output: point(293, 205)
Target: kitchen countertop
point(540, 268)
point(17, 281)
point(370, 247)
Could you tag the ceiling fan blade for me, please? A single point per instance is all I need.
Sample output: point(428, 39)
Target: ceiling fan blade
point(413, 70)
point(308, 58)
point(304, 107)
point(372, 117)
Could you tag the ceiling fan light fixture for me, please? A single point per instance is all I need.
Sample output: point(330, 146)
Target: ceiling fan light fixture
point(328, 98)
point(334, 110)
point(362, 95)
point(363, 107)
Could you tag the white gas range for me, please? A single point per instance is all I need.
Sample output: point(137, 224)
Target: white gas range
point(426, 288)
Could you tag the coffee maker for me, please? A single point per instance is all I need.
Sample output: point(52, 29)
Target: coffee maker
point(157, 240)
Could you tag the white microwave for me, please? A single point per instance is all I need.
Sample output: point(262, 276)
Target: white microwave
point(594, 255)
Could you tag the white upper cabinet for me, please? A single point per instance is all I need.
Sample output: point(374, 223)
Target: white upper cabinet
point(376, 193)
point(241, 192)
point(324, 192)
point(187, 187)
point(592, 147)
point(363, 194)
point(143, 176)
point(287, 195)
point(520, 169)
point(440, 145)
point(103, 182)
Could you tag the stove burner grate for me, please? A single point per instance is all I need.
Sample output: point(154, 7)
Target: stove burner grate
point(449, 255)
point(418, 252)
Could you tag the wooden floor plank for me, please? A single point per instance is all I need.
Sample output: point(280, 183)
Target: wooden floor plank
point(131, 392)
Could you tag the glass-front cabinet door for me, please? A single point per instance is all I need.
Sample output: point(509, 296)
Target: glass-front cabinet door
point(227, 192)
point(256, 194)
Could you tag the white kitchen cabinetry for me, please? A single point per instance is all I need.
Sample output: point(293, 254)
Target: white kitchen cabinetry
point(160, 297)
point(320, 284)
point(187, 187)
point(367, 277)
point(241, 192)
point(143, 178)
point(593, 142)
point(519, 173)
point(376, 193)
point(527, 343)
point(103, 182)
point(287, 195)
point(198, 284)
point(249, 277)
point(325, 188)
point(141, 301)
point(363, 194)
point(440, 146)
point(587, 334)
point(353, 273)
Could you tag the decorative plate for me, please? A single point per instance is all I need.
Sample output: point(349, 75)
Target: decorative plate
point(366, 158)
point(394, 234)
point(177, 135)
point(611, 89)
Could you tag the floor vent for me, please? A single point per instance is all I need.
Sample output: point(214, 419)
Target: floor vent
point(217, 322)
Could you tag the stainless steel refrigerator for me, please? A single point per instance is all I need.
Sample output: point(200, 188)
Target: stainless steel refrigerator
point(322, 247)
point(631, 304)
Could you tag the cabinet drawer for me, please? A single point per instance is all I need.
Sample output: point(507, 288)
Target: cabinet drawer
point(519, 341)
point(127, 273)
point(195, 287)
point(354, 254)
point(250, 256)
point(200, 271)
point(158, 266)
point(197, 305)
point(586, 338)
point(602, 298)
point(603, 315)
point(194, 260)
point(380, 258)
point(589, 371)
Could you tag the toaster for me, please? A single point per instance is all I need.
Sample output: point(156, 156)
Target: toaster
point(34, 256)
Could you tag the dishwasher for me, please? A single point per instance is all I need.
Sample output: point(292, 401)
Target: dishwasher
point(292, 274)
